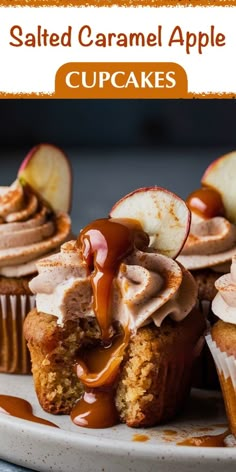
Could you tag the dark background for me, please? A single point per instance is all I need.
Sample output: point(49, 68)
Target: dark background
point(118, 123)
point(115, 146)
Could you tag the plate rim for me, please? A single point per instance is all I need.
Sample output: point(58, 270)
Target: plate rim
point(116, 445)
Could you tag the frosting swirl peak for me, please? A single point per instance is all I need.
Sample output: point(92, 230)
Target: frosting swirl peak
point(147, 287)
point(210, 243)
point(28, 230)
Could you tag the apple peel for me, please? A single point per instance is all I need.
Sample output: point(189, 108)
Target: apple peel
point(221, 175)
point(47, 171)
point(163, 215)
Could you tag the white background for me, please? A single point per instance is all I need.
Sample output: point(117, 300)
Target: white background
point(26, 69)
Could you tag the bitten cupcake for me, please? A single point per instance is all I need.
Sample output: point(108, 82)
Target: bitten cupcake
point(211, 243)
point(222, 340)
point(29, 229)
point(116, 330)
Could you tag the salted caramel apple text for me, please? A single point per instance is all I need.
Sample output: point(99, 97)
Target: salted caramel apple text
point(85, 36)
point(206, 202)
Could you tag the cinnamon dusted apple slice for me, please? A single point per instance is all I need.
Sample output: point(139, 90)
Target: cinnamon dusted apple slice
point(221, 175)
point(46, 170)
point(162, 214)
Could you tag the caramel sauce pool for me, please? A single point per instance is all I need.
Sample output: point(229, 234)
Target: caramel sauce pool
point(140, 437)
point(206, 441)
point(170, 432)
point(104, 244)
point(206, 202)
point(15, 406)
point(96, 409)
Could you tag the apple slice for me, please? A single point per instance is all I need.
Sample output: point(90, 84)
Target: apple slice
point(163, 216)
point(47, 170)
point(221, 175)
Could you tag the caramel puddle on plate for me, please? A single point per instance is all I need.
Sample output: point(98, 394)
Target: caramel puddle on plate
point(205, 441)
point(15, 406)
point(169, 435)
point(184, 437)
point(140, 437)
point(170, 432)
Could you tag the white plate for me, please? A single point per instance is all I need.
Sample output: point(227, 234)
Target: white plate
point(74, 449)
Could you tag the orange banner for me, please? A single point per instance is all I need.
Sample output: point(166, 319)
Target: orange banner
point(121, 3)
point(121, 80)
point(182, 43)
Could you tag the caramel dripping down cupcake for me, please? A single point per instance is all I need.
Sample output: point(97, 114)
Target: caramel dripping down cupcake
point(149, 316)
point(103, 245)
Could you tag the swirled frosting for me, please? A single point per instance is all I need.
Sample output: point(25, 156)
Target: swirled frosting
point(224, 303)
point(211, 243)
point(28, 230)
point(148, 287)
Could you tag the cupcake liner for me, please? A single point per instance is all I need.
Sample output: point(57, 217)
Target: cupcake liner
point(230, 441)
point(226, 365)
point(14, 355)
point(226, 368)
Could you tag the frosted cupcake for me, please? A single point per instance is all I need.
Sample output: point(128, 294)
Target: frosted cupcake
point(211, 243)
point(222, 340)
point(29, 229)
point(116, 332)
point(212, 239)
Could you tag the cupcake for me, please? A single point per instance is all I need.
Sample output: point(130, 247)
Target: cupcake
point(116, 331)
point(211, 243)
point(29, 228)
point(209, 248)
point(222, 340)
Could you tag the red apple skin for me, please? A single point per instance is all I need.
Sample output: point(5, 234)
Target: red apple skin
point(174, 196)
point(28, 157)
point(31, 154)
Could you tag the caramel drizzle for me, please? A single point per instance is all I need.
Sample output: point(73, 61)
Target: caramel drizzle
point(101, 364)
point(103, 245)
point(15, 406)
point(206, 202)
point(98, 372)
